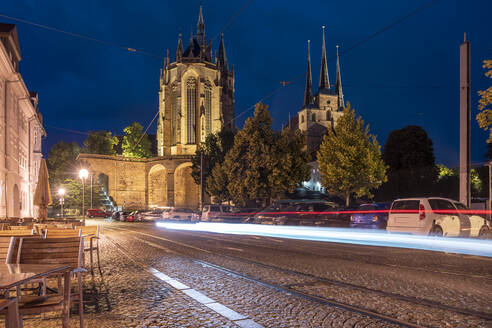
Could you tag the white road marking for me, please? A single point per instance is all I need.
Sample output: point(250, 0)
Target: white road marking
point(197, 296)
point(247, 323)
point(225, 311)
point(235, 249)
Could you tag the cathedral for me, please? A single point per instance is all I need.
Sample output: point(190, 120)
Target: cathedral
point(196, 95)
point(320, 111)
point(196, 98)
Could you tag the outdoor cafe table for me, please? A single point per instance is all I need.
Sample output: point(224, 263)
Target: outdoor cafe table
point(14, 275)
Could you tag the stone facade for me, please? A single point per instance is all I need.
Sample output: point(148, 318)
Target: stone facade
point(142, 183)
point(196, 95)
point(196, 98)
point(21, 130)
point(319, 112)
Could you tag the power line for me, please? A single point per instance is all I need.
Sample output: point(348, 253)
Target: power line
point(66, 130)
point(232, 19)
point(81, 36)
point(351, 48)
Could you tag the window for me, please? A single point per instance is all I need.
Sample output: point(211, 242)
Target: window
point(406, 206)
point(440, 204)
point(208, 108)
point(302, 118)
point(190, 110)
point(314, 118)
point(328, 116)
point(176, 113)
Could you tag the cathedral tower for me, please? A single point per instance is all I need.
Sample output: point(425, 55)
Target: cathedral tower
point(196, 95)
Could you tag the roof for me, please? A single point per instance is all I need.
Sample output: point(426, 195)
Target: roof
point(10, 31)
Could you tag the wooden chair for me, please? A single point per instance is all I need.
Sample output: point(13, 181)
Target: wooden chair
point(6, 248)
point(16, 233)
point(20, 227)
point(63, 251)
point(91, 234)
point(64, 226)
point(61, 233)
point(11, 309)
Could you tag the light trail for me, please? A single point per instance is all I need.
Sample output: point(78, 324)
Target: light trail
point(470, 246)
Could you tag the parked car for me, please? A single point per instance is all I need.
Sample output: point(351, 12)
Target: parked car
point(149, 216)
point(269, 214)
point(373, 219)
point(218, 213)
point(436, 217)
point(318, 214)
point(181, 214)
point(117, 215)
point(128, 216)
point(97, 213)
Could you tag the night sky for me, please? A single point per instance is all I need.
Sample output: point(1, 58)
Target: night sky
point(406, 75)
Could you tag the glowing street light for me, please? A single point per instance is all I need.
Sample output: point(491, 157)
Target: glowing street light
point(61, 193)
point(83, 174)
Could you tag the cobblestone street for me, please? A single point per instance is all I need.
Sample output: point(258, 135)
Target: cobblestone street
point(154, 277)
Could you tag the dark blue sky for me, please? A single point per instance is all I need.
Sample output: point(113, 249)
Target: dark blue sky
point(407, 75)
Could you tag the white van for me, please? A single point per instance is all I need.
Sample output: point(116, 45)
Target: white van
point(435, 216)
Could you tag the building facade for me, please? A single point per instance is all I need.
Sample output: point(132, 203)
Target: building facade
point(21, 131)
point(196, 98)
point(196, 95)
point(320, 111)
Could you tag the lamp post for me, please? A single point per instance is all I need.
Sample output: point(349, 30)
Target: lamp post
point(61, 193)
point(83, 174)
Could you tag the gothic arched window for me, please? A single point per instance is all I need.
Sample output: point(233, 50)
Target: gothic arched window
point(190, 110)
point(328, 116)
point(208, 108)
point(314, 118)
point(302, 118)
point(176, 113)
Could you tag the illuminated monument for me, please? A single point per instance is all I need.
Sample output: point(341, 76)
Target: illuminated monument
point(196, 98)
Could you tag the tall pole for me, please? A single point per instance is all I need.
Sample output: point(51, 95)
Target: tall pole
point(62, 200)
point(465, 122)
point(201, 179)
point(83, 198)
point(91, 191)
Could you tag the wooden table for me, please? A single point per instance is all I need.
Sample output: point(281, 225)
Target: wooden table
point(14, 275)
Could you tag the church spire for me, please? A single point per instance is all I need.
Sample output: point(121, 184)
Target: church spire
point(200, 26)
point(338, 88)
point(308, 92)
point(222, 60)
point(324, 80)
point(179, 51)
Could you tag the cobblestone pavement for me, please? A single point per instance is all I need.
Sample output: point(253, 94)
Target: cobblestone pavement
point(242, 272)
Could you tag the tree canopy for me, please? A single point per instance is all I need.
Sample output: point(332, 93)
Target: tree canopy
point(409, 153)
point(62, 161)
point(349, 158)
point(135, 143)
point(100, 142)
point(261, 164)
point(484, 118)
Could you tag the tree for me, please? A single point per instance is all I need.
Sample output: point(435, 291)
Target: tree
point(448, 181)
point(484, 118)
point(290, 167)
point(214, 150)
point(100, 142)
point(249, 163)
point(409, 153)
point(73, 195)
point(217, 184)
point(350, 158)
point(61, 162)
point(135, 143)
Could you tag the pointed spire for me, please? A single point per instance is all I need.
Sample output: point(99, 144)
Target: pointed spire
point(308, 92)
point(200, 26)
point(338, 88)
point(167, 58)
point(222, 60)
point(191, 34)
point(324, 80)
point(179, 51)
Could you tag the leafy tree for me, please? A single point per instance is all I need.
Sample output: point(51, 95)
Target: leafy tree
point(217, 184)
point(448, 181)
point(409, 153)
point(135, 143)
point(350, 158)
point(250, 161)
point(290, 162)
point(214, 149)
point(484, 118)
point(100, 142)
point(61, 162)
point(73, 195)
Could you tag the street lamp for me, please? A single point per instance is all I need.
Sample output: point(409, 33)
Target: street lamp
point(61, 193)
point(83, 174)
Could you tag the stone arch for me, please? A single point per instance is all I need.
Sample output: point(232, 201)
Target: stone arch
point(102, 179)
point(16, 203)
point(186, 191)
point(157, 187)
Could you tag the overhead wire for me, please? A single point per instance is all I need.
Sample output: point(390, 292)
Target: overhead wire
point(351, 48)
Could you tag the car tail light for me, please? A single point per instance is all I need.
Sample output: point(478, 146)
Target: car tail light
point(421, 212)
point(375, 218)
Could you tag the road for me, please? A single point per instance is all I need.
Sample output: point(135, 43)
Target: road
point(254, 281)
